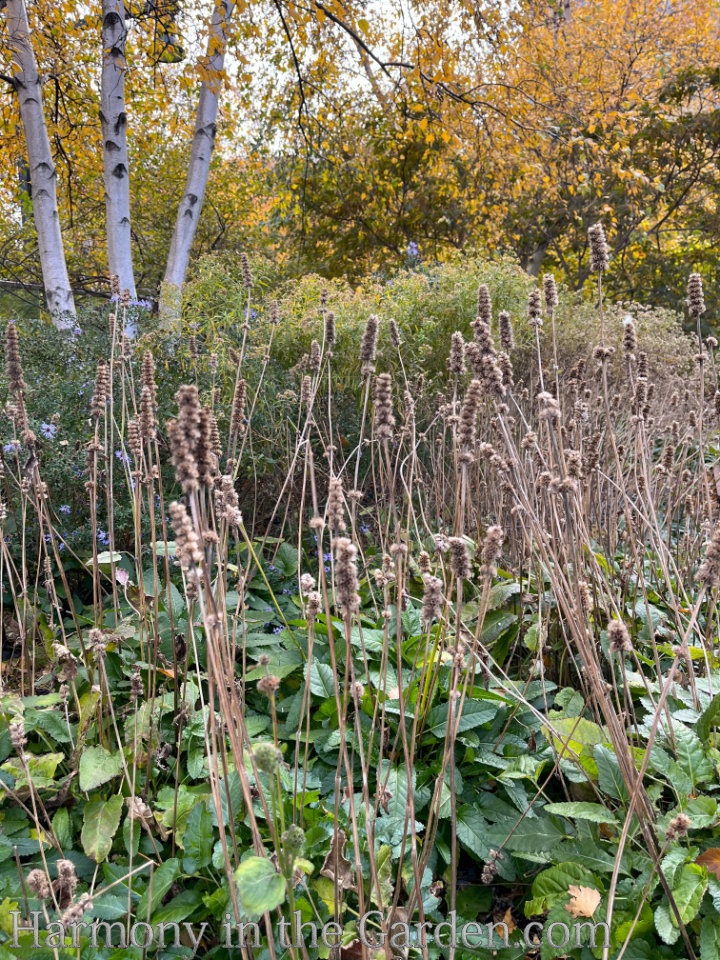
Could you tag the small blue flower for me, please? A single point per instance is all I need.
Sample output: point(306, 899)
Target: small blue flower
point(412, 249)
point(103, 537)
point(65, 508)
point(364, 528)
point(277, 629)
point(327, 557)
point(48, 430)
point(11, 447)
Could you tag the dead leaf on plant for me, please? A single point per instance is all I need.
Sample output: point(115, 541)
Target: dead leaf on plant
point(710, 859)
point(337, 867)
point(584, 901)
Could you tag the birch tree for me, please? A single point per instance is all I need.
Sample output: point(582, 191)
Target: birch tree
point(116, 168)
point(203, 145)
point(43, 175)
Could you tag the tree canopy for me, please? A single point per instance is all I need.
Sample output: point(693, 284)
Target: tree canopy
point(353, 136)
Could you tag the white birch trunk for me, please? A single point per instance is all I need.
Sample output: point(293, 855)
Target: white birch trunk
point(116, 168)
point(58, 293)
point(198, 168)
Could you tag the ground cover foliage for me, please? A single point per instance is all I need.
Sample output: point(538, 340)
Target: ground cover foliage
point(414, 617)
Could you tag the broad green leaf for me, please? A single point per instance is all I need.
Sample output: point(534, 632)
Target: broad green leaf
point(709, 939)
point(472, 832)
point(260, 887)
point(322, 680)
point(610, 779)
point(669, 933)
point(474, 713)
point(97, 766)
point(691, 756)
point(162, 880)
point(710, 718)
point(551, 886)
point(100, 822)
point(180, 907)
point(688, 890)
point(594, 812)
point(198, 839)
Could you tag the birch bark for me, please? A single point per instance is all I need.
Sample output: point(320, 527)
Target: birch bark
point(203, 144)
point(116, 168)
point(43, 175)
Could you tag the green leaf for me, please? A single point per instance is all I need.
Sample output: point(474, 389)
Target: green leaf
point(551, 886)
point(709, 939)
point(710, 718)
point(610, 779)
point(100, 822)
point(180, 907)
point(260, 887)
point(162, 880)
point(474, 714)
point(322, 680)
point(691, 756)
point(198, 839)
point(61, 827)
point(594, 812)
point(97, 766)
point(664, 926)
point(689, 889)
point(472, 832)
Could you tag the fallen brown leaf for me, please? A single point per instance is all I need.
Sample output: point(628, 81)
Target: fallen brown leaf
point(584, 901)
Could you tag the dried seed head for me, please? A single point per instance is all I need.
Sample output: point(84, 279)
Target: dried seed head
point(330, 332)
point(306, 391)
point(75, 912)
point(695, 296)
point(424, 561)
point(307, 582)
point(550, 292)
point(39, 884)
point(506, 370)
point(313, 606)
point(268, 685)
point(315, 356)
point(534, 308)
point(619, 637)
point(346, 578)
point(246, 274)
point(394, 333)
point(456, 360)
point(384, 418)
point(506, 332)
point(13, 365)
point(101, 393)
point(678, 827)
point(368, 346)
point(237, 416)
point(467, 430)
point(459, 558)
point(629, 337)
point(432, 604)
point(599, 256)
point(189, 550)
point(484, 304)
point(336, 506)
point(491, 550)
point(709, 572)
